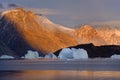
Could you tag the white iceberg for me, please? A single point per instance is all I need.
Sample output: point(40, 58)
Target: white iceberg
point(31, 54)
point(65, 53)
point(73, 53)
point(115, 56)
point(51, 55)
point(80, 54)
point(73, 49)
point(6, 57)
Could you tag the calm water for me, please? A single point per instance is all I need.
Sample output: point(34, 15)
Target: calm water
point(59, 75)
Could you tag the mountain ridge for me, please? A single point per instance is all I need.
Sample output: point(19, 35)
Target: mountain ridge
point(41, 34)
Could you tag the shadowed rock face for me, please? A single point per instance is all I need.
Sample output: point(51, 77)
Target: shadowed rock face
point(105, 51)
point(4, 50)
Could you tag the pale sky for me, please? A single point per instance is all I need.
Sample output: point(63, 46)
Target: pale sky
point(74, 12)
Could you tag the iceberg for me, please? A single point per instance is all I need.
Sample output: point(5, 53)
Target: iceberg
point(115, 56)
point(66, 53)
point(80, 54)
point(73, 53)
point(51, 55)
point(31, 54)
point(6, 57)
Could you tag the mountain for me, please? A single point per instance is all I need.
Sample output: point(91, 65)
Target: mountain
point(98, 35)
point(21, 30)
point(111, 35)
point(63, 33)
point(10, 36)
point(88, 34)
point(4, 50)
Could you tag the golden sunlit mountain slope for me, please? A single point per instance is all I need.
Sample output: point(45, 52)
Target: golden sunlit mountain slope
point(111, 35)
point(32, 32)
point(87, 34)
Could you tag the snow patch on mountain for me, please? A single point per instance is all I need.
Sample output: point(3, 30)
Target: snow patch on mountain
point(52, 26)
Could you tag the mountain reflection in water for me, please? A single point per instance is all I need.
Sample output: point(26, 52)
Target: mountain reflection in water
point(59, 75)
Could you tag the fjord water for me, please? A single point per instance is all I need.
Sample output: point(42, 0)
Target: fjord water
point(59, 75)
point(101, 69)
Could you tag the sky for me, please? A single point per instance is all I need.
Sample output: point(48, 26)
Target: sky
point(74, 12)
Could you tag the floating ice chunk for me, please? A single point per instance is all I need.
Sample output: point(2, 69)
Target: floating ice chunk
point(31, 54)
point(6, 57)
point(73, 49)
point(80, 54)
point(22, 57)
point(66, 53)
point(115, 56)
point(73, 53)
point(51, 55)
